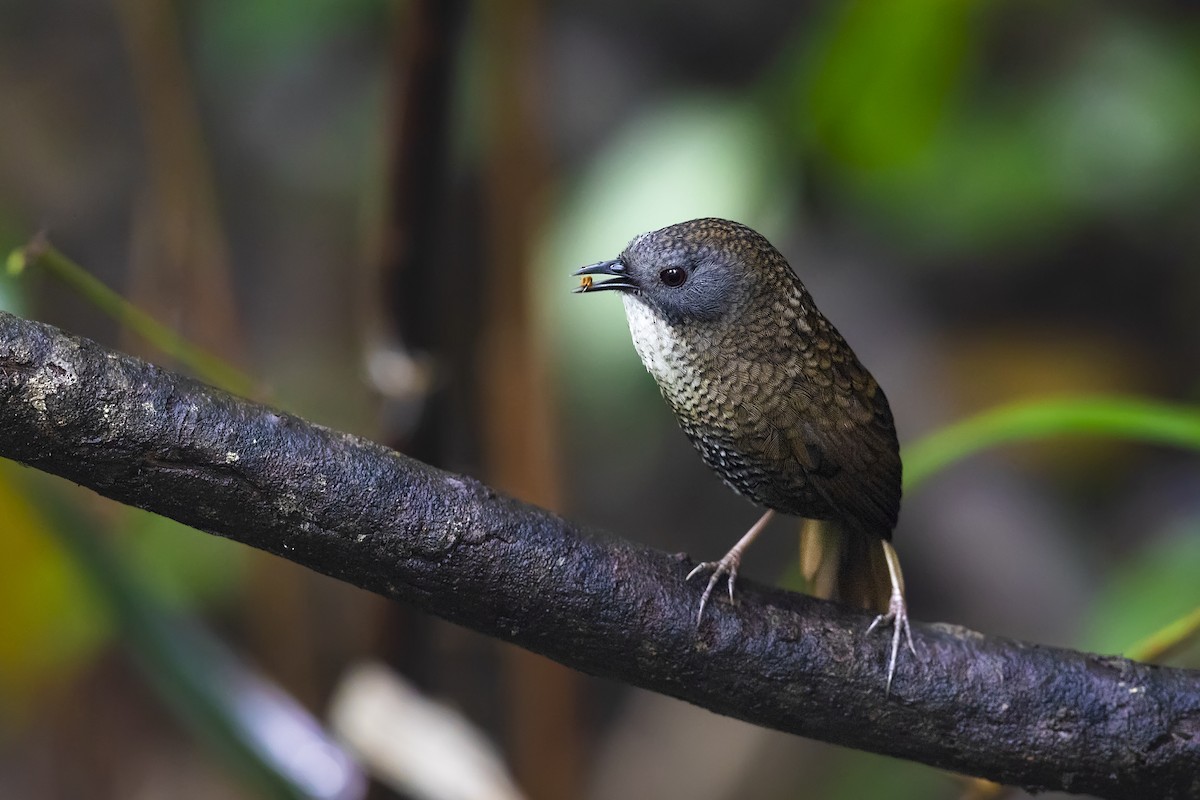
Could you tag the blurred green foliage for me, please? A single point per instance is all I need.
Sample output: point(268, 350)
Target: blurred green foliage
point(183, 569)
point(860, 775)
point(12, 295)
point(1155, 586)
point(57, 614)
point(51, 619)
point(1113, 130)
point(240, 37)
point(882, 77)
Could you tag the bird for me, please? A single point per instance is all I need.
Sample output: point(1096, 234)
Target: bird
point(774, 400)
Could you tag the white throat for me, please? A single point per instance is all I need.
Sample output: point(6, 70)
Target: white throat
point(664, 354)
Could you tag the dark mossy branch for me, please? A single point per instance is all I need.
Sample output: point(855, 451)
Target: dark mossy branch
point(1037, 717)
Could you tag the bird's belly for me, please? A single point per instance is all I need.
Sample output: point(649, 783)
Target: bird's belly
point(761, 476)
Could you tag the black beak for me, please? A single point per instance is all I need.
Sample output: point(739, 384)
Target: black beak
point(620, 279)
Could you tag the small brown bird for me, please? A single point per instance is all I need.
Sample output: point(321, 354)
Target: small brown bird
point(773, 398)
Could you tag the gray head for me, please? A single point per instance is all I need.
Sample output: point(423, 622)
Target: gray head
point(701, 270)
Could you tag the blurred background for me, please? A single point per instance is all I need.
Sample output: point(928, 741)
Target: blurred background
point(373, 209)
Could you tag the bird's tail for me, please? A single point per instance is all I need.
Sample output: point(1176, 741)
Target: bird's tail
point(844, 565)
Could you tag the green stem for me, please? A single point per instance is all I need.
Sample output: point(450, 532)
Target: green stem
point(1112, 417)
point(201, 363)
point(1165, 641)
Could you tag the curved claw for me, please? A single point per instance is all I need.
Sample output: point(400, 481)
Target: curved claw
point(728, 565)
point(897, 617)
point(725, 567)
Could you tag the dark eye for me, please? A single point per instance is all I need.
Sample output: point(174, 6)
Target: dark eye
point(673, 276)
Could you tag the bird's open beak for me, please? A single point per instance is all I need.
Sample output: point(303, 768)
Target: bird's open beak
point(620, 279)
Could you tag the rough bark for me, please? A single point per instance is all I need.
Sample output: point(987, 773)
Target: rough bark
point(1037, 717)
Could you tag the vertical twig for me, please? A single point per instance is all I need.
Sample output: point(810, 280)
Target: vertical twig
point(517, 408)
point(181, 259)
point(423, 320)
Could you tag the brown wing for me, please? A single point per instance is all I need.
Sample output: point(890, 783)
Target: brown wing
point(852, 439)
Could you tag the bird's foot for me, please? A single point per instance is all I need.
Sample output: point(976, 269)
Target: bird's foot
point(727, 566)
point(897, 617)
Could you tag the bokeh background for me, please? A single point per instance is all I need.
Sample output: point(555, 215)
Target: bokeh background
point(373, 208)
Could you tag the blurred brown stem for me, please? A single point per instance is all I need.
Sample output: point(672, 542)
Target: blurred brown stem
point(1021, 714)
point(180, 258)
point(517, 410)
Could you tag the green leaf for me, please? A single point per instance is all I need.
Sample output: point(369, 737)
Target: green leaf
point(1113, 417)
point(886, 78)
point(51, 618)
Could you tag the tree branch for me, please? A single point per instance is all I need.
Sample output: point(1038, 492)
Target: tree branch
point(1037, 717)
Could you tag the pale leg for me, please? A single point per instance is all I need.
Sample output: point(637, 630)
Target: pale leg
point(729, 564)
point(897, 614)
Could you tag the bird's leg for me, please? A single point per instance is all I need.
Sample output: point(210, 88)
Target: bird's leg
point(729, 564)
point(897, 613)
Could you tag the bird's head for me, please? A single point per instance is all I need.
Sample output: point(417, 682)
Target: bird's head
point(703, 270)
